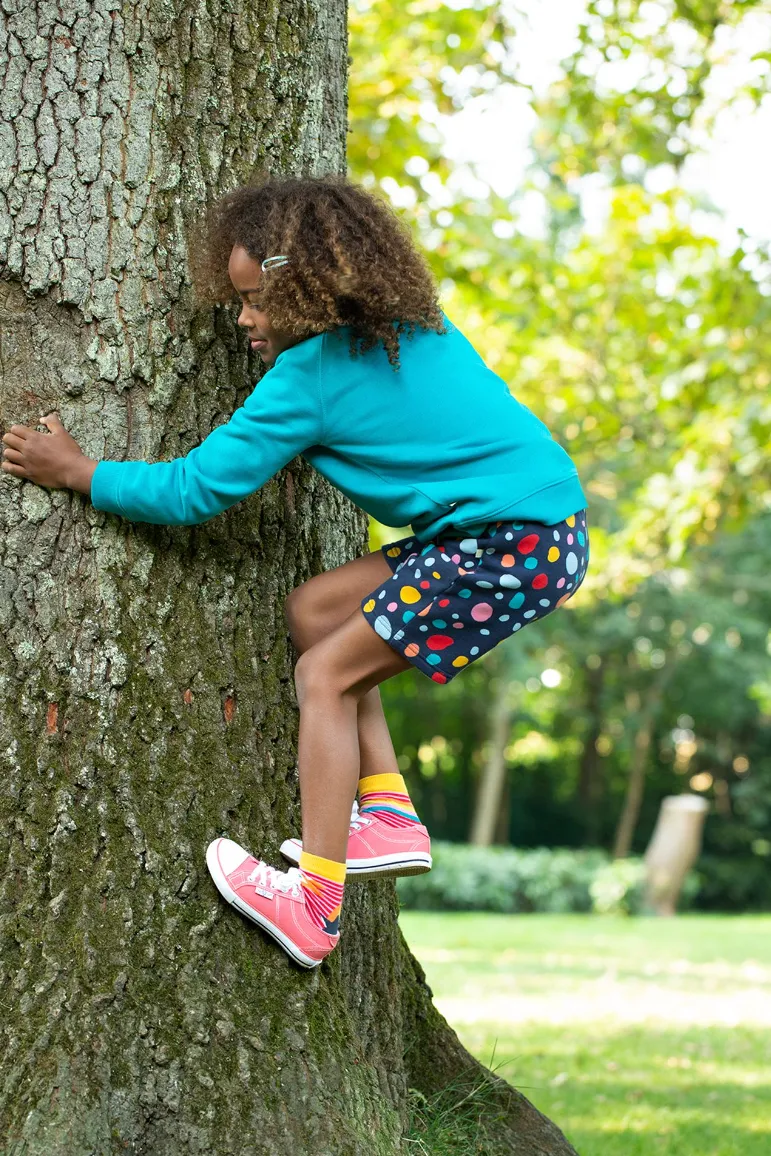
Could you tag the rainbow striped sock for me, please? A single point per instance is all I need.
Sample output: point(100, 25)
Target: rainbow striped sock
point(386, 795)
point(322, 883)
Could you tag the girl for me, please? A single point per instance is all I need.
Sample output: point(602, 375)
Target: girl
point(371, 382)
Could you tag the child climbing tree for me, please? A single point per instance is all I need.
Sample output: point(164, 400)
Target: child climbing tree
point(146, 698)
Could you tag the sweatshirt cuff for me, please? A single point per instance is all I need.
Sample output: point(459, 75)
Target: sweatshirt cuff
point(105, 487)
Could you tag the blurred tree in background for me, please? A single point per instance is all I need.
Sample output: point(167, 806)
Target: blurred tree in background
point(645, 345)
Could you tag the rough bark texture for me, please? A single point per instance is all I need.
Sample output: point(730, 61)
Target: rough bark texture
point(146, 694)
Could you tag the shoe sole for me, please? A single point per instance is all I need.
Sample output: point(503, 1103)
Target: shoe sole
point(227, 893)
point(382, 867)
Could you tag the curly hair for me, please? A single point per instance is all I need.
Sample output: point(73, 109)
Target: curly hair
point(352, 261)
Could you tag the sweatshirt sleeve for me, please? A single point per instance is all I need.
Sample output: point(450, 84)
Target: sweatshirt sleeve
point(280, 418)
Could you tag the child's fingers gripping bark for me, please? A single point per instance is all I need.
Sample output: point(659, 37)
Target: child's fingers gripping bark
point(54, 459)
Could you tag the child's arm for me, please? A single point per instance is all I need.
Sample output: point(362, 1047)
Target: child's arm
point(54, 460)
point(280, 418)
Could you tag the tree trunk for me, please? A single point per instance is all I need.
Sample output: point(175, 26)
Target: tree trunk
point(635, 786)
point(591, 774)
point(674, 848)
point(490, 796)
point(146, 694)
point(503, 822)
point(630, 813)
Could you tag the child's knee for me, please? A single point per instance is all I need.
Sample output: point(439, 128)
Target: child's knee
point(298, 615)
point(311, 676)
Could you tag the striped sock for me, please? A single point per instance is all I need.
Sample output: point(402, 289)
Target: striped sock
point(322, 882)
point(386, 795)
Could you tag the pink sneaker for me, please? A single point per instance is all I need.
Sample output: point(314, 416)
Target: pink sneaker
point(377, 850)
point(273, 899)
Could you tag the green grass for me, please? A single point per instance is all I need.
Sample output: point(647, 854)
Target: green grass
point(638, 1037)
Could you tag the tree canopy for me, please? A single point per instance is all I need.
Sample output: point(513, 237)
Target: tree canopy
point(643, 343)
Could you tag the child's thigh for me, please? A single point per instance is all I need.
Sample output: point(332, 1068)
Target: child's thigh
point(318, 606)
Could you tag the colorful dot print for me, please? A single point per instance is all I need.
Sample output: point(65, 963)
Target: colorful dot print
point(448, 603)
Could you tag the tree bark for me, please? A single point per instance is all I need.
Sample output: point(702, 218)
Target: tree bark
point(146, 692)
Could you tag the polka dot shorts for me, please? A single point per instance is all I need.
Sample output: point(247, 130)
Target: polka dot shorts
point(446, 604)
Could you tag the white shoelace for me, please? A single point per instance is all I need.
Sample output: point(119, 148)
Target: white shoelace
point(358, 821)
point(264, 875)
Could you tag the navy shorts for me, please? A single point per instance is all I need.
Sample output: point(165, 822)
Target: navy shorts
point(446, 604)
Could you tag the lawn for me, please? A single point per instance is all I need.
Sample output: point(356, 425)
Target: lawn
point(636, 1036)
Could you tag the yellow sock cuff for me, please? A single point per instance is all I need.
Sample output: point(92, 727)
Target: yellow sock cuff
point(326, 868)
point(374, 783)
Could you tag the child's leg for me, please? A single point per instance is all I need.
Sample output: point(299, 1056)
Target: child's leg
point(319, 606)
point(314, 611)
point(331, 678)
point(301, 911)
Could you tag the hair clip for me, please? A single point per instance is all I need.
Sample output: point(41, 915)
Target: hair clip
point(273, 263)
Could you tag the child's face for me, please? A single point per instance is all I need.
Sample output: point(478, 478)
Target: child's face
point(246, 274)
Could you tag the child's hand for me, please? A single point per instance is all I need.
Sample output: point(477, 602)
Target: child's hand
point(54, 460)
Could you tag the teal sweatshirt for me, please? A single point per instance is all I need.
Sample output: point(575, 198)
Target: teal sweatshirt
point(441, 442)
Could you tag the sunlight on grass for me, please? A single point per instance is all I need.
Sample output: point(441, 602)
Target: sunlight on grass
point(636, 1036)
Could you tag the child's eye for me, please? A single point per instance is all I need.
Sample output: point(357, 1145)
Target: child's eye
point(240, 303)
